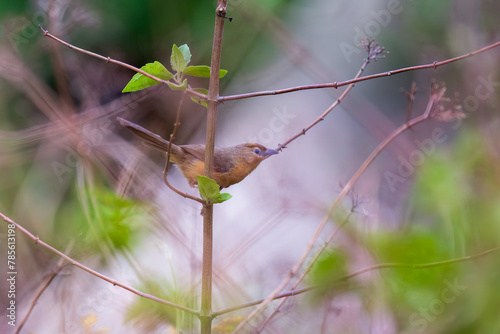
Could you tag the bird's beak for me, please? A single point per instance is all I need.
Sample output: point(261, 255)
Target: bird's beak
point(269, 152)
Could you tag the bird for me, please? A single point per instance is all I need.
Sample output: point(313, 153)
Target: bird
point(231, 164)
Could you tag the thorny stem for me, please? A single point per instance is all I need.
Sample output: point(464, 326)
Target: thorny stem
point(95, 273)
point(432, 65)
point(117, 62)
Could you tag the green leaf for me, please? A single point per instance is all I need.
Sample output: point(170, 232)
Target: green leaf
point(209, 189)
point(173, 86)
point(140, 81)
point(222, 198)
point(202, 71)
point(177, 60)
point(185, 53)
point(222, 73)
point(197, 100)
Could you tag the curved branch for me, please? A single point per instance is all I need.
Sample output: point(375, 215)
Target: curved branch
point(95, 273)
point(167, 164)
point(117, 62)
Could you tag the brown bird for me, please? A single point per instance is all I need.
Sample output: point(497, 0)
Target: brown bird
point(231, 164)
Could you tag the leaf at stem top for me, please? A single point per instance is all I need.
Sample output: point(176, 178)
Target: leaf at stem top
point(185, 53)
point(140, 81)
point(177, 59)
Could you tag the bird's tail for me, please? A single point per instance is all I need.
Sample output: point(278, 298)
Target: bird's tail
point(150, 138)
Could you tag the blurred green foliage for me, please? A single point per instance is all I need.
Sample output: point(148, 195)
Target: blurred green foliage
point(101, 220)
point(13, 7)
point(412, 289)
point(151, 315)
point(459, 194)
point(455, 214)
point(113, 220)
point(462, 191)
point(326, 273)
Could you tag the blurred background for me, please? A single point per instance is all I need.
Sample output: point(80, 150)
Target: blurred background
point(73, 177)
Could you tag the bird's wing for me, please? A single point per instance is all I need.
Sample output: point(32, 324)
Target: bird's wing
point(198, 151)
point(221, 165)
point(221, 162)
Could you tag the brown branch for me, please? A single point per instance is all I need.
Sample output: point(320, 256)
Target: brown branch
point(432, 65)
point(95, 273)
point(117, 62)
point(207, 211)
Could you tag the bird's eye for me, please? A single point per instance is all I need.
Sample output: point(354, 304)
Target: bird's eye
point(256, 151)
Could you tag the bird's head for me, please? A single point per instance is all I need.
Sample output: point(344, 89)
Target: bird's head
point(253, 154)
point(233, 164)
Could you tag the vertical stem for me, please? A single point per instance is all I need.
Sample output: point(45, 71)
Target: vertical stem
point(213, 95)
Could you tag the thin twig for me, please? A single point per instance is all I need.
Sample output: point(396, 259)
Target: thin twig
point(323, 115)
point(54, 272)
point(307, 269)
point(416, 266)
point(410, 95)
point(294, 292)
point(117, 62)
point(167, 163)
point(95, 273)
point(432, 65)
point(257, 302)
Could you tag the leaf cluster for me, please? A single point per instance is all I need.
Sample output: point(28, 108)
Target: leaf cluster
point(179, 62)
point(210, 191)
